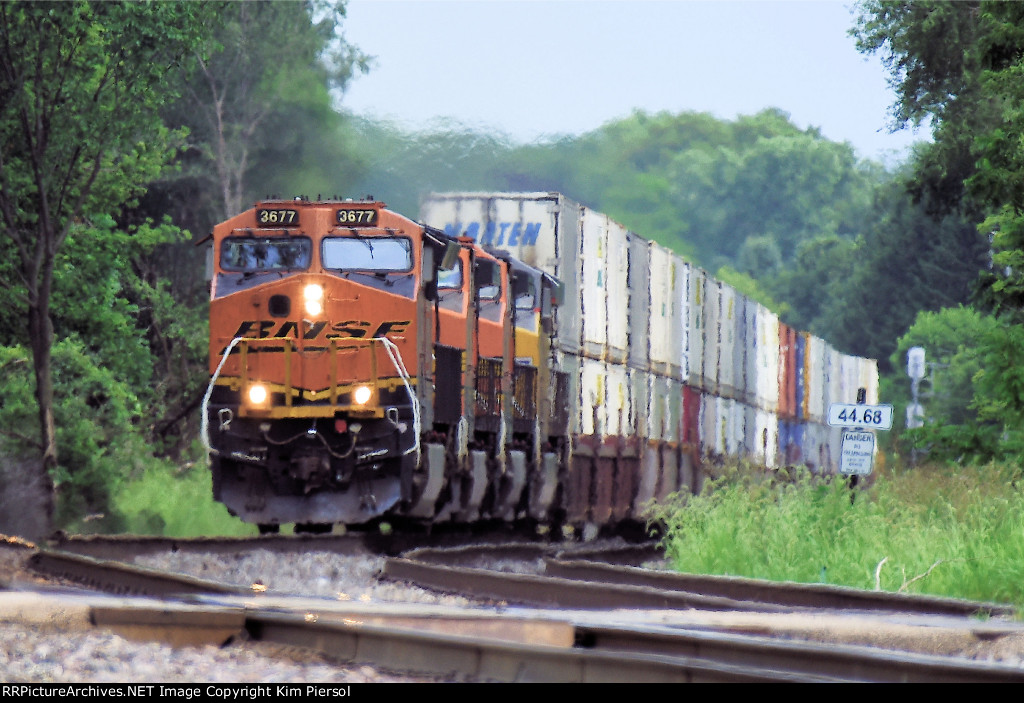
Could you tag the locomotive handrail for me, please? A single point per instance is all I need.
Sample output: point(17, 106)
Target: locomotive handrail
point(336, 345)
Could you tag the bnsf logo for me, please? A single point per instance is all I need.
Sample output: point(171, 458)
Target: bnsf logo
point(268, 329)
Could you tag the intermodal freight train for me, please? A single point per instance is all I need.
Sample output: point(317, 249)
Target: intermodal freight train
point(519, 357)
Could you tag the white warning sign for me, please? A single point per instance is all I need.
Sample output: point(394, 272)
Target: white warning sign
point(858, 453)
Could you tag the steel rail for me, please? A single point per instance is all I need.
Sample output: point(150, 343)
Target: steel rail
point(484, 659)
point(124, 579)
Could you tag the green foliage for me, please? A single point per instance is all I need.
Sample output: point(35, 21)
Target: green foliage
point(939, 531)
point(166, 500)
point(748, 286)
point(954, 341)
point(97, 415)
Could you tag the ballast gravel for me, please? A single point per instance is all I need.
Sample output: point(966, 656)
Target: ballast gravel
point(46, 653)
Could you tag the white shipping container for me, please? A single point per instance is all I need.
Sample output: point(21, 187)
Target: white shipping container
point(680, 280)
point(735, 429)
point(869, 379)
point(712, 334)
point(593, 414)
point(618, 293)
point(767, 360)
point(661, 309)
point(767, 437)
point(640, 307)
point(729, 308)
point(540, 229)
point(696, 293)
point(707, 417)
point(621, 420)
point(833, 377)
point(751, 344)
point(658, 407)
point(673, 410)
point(594, 280)
point(816, 391)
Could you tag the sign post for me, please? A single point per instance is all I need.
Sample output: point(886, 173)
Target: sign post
point(857, 455)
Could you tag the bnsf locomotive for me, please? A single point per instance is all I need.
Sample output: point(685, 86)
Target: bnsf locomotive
point(524, 358)
point(363, 364)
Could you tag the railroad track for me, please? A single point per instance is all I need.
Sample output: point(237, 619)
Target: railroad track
point(518, 644)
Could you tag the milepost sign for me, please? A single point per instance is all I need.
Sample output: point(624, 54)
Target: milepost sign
point(858, 447)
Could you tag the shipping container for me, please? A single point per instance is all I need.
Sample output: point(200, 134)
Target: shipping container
point(661, 310)
point(787, 373)
point(641, 313)
point(817, 363)
point(540, 229)
point(618, 299)
point(767, 360)
point(712, 334)
point(696, 294)
point(680, 352)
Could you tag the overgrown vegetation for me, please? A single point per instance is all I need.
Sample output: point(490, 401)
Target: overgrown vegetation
point(931, 529)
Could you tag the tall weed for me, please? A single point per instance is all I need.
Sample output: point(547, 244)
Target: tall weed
point(945, 531)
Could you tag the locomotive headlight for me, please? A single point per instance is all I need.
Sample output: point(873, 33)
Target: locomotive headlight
point(257, 394)
point(362, 395)
point(314, 295)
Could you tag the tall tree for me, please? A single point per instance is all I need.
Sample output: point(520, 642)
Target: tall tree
point(265, 60)
point(81, 84)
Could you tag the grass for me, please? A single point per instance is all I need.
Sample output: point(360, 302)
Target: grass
point(175, 502)
point(950, 531)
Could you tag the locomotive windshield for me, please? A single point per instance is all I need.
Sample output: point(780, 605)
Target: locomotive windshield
point(368, 254)
point(262, 254)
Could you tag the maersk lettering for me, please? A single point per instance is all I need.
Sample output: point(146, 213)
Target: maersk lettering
point(512, 234)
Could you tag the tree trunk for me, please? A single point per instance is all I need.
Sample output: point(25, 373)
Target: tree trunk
point(41, 338)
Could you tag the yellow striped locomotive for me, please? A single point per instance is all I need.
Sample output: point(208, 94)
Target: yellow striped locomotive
point(519, 357)
point(362, 365)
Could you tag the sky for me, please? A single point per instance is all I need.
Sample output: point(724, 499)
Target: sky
point(533, 69)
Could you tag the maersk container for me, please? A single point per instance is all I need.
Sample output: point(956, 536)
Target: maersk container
point(696, 294)
point(661, 310)
point(680, 352)
point(540, 229)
